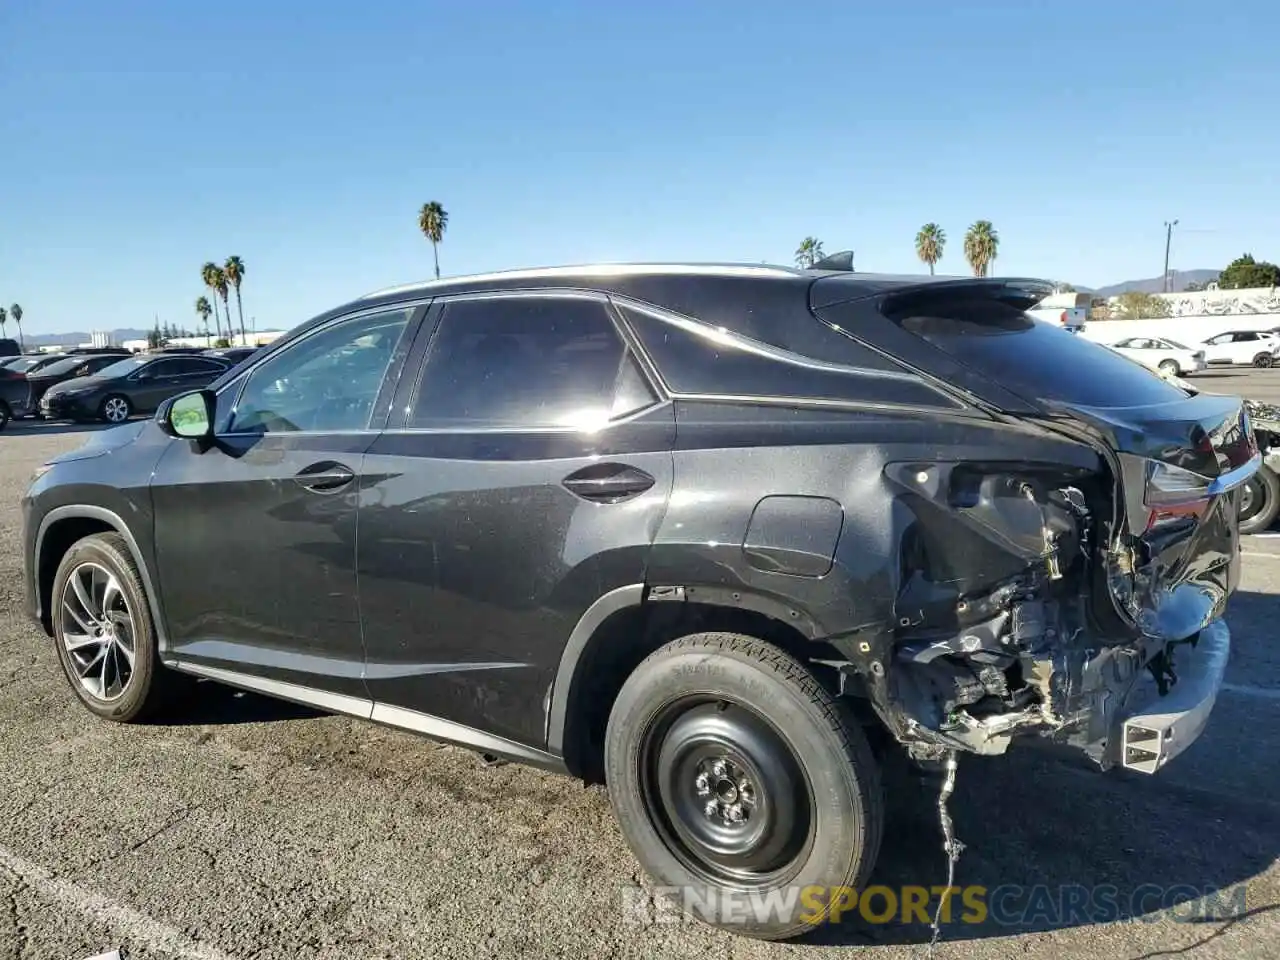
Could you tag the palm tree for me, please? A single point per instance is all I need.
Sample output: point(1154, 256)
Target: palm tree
point(929, 243)
point(432, 220)
point(204, 310)
point(209, 274)
point(3, 316)
point(234, 269)
point(809, 252)
point(220, 285)
point(980, 245)
point(15, 311)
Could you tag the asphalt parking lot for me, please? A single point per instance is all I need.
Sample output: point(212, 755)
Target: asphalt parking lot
point(248, 828)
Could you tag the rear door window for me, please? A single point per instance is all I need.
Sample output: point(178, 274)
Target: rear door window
point(1033, 359)
point(527, 362)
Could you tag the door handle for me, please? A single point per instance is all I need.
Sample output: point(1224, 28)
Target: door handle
point(325, 476)
point(607, 482)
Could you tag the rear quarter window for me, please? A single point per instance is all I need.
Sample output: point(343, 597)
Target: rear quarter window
point(1031, 358)
point(695, 359)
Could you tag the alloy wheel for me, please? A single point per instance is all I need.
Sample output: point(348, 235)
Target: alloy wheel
point(98, 631)
point(116, 410)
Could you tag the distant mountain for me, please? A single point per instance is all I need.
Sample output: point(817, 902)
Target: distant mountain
point(1156, 284)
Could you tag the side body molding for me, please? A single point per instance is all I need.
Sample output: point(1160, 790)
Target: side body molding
point(116, 522)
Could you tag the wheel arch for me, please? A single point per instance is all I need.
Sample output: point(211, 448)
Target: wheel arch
point(627, 624)
point(64, 526)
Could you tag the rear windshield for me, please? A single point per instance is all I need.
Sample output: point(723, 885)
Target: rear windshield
point(1032, 358)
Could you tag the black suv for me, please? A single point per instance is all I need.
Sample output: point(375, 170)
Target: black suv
point(717, 536)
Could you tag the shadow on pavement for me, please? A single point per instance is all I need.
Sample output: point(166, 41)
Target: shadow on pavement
point(1053, 846)
point(215, 703)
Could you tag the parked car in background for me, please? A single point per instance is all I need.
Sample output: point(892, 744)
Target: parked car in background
point(1242, 348)
point(9, 348)
point(713, 536)
point(1068, 310)
point(13, 395)
point(136, 384)
point(1260, 498)
point(69, 368)
point(1164, 355)
point(232, 354)
point(33, 362)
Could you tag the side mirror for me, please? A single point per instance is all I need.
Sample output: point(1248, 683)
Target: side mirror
point(188, 415)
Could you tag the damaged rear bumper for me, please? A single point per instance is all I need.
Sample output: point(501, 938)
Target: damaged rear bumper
point(1135, 706)
point(1155, 729)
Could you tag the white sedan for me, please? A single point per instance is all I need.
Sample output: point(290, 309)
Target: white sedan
point(1165, 356)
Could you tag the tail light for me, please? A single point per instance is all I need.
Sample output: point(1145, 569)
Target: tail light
point(1174, 494)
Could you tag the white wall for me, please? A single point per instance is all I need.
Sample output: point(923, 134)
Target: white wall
point(1249, 301)
point(1186, 330)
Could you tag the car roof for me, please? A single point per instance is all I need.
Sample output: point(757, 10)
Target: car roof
point(751, 299)
point(615, 275)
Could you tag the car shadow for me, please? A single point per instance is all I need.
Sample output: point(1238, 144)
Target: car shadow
point(213, 704)
point(1051, 846)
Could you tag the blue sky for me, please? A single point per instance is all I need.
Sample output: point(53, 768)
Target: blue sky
point(139, 139)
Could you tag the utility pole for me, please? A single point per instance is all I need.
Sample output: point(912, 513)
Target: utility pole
point(1168, 240)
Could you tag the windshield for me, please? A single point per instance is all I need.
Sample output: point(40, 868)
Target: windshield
point(123, 367)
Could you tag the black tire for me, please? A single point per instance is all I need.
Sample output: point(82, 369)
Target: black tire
point(1170, 368)
point(1260, 501)
point(149, 684)
point(112, 403)
point(5, 414)
point(795, 759)
point(1262, 360)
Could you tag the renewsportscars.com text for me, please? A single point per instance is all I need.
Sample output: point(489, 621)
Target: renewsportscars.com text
point(1008, 905)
